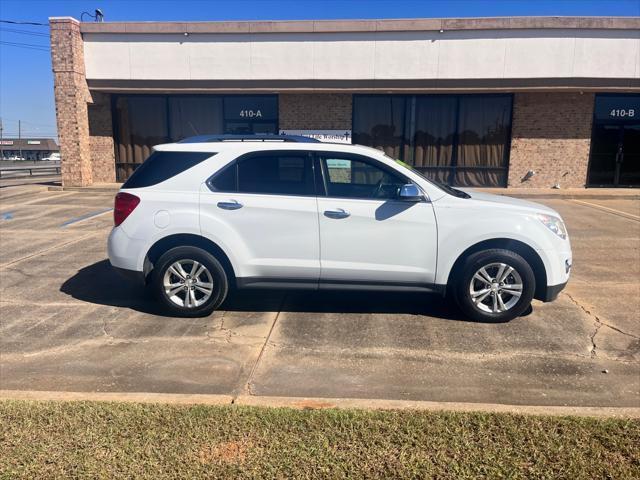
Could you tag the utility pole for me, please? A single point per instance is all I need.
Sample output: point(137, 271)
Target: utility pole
point(19, 137)
point(1, 142)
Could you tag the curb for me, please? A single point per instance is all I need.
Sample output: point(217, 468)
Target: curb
point(311, 403)
point(570, 196)
point(57, 188)
point(129, 397)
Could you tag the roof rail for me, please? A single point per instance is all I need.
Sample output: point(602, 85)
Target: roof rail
point(249, 138)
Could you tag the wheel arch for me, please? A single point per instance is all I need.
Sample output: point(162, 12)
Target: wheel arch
point(521, 248)
point(187, 240)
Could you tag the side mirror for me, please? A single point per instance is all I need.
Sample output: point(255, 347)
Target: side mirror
point(410, 193)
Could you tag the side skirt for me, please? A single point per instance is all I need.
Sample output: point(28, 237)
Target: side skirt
point(309, 284)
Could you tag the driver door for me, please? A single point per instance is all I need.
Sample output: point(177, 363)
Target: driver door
point(368, 235)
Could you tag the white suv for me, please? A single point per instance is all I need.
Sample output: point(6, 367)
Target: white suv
point(214, 212)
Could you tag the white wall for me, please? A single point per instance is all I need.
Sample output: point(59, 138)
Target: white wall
point(464, 54)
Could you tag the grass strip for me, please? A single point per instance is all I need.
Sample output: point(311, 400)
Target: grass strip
point(116, 440)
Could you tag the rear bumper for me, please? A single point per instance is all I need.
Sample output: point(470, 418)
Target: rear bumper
point(553, 291)
point(125, 252)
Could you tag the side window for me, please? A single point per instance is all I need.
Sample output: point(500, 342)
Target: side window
point(276, 174)
point(161, 166)
point(351, 178)
point(225, 180)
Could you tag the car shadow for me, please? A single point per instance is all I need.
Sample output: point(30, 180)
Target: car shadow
point(100, 284)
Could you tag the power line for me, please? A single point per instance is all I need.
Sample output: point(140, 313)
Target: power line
point(29, 46)
point(7, 119)
point(23, 32)
point(14, 136)
point(33, 132)
point(18, 22)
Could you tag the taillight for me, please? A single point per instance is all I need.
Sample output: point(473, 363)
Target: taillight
point(125, 204)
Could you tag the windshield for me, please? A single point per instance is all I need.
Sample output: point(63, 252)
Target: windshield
point(442, 186)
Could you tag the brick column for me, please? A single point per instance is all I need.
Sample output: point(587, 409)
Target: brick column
point(103, 162)
point(551, 135)
point(71, 96)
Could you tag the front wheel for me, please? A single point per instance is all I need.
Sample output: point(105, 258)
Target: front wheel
point(189, 281)
point(494, 286)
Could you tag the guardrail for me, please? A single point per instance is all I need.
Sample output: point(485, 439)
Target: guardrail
point(6, 172)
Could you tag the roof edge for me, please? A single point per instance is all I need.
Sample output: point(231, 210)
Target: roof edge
point(385, 25)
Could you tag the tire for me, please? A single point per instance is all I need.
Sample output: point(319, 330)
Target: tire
point(209, 288)
point(510, 300)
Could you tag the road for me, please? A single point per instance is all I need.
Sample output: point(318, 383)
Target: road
point(69, 323)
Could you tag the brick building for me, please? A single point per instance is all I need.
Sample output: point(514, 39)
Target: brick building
point(27, 148)
point(521, 102)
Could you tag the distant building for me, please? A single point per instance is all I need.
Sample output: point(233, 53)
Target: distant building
point(492, 102)
point(27, 148)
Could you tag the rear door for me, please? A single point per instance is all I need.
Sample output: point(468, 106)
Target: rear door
point(367, 234)
point(264, 207)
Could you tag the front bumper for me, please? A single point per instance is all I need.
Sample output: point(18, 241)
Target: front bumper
point(552, 292)
point(557, 263)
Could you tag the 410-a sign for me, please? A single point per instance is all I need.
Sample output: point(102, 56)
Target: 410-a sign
point(250, 114)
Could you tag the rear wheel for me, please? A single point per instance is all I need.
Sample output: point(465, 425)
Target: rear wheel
point(494, 286)
point(189, 281)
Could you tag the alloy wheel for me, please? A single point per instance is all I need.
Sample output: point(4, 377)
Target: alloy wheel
point(495, 288)
point(188, 283)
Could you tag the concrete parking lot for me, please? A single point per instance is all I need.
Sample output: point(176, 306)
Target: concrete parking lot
point(69, 323)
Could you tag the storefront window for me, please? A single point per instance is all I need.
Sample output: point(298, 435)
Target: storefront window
point(189, 116)
point(142, 121)
point(433, 139)
point(456, 139)
point(378, 121)
point(483, 136)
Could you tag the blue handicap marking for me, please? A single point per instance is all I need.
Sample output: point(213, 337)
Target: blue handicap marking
point(7, 215)
point(85, 217)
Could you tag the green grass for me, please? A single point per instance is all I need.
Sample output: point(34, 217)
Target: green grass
point(118, 440)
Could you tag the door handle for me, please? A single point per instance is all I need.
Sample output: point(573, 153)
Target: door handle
point(339, 213)
point(233, 205)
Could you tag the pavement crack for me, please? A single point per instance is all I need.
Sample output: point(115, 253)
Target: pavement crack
point(616, 329)
point(248, 386)
point(110, 337)
point(598, 324)
point(249, 389)
point(592, 337)
point(219, 334)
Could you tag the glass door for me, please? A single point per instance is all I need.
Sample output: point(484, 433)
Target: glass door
point(615, 156)
point(630, 156)
point(615, 142)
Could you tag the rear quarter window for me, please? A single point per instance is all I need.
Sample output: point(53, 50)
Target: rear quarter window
point(161, 166)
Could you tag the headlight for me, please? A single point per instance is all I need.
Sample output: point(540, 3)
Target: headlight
point(554, 224)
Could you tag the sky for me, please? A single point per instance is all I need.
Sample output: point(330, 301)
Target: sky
point(26, 81)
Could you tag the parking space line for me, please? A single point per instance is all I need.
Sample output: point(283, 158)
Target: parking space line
point(86, 216)
point(14, 200)
point(46, 250)
point(620, 213)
